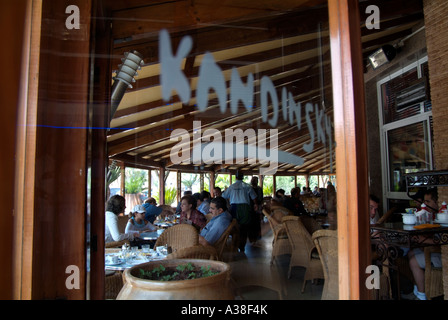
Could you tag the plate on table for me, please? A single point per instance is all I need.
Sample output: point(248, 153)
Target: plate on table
point(442, 223)
point(110, 263)
point(138, 261)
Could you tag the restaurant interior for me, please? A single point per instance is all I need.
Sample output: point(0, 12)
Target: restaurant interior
point(184, 94)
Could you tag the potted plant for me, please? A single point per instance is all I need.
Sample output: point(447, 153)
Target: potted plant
point(177, 279)
point(134, 184)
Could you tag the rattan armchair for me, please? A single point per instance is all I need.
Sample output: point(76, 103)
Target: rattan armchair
point(116, 244)
point(433, 275)
point(326, 242)
point(113, 283)
point(195, 252)
point(222, 241)
point(178, 236)
point(280, 241)
point(304, 253)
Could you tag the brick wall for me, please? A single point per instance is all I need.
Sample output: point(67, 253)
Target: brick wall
point(436, 29)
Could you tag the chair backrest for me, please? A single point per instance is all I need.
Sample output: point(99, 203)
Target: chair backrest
point(310, 224)
point(220, 244)
point(298, 234)
point(179, 236)
point(116, 244)
point(122, 222)
point(195, 252)
point(275, 223)
point(277, 213)
point(208, 217)
point(326, 242)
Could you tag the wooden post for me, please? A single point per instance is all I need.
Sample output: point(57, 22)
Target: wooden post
point(212, 183)
point(149, 183)
point(351, 151)
point(179, 185)
point(13, 16)
point(123, 179)
point(161, 185)
point(52, 189)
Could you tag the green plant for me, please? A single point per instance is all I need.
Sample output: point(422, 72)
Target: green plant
point(135, 179)
point(113, 173)
point(181, 272)
point(170, 195)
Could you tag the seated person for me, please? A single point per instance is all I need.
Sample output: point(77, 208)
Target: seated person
point(280, 196)
point(189, 213)
point(114, 206)
point(203, 202)
point(374, 203)
point(294, 204)
point(152, 211)
point(179, 209)
point(138, 223)
point(417, 255)
point(217, 192)
point(220, 221)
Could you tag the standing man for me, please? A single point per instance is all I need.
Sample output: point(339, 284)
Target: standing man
point(255, 224)
point(240, 194)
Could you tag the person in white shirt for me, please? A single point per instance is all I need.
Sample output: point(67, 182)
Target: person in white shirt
point(114, 206)
point(240, 194)
point(138, 223)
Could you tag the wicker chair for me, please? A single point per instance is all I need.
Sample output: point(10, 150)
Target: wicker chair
point(310, 223)
point(222, 241)
point(304, 253)
point(326, 242)
point(178, 236)
point(280, 242)
point(433, 276)
point(116, 244)
point(122, 222)
point(113, 285)
point(195, 252)
point(208, 217)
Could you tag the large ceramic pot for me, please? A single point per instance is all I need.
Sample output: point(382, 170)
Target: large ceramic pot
point(216, 287)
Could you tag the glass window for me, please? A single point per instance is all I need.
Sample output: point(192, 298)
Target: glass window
point(398, 97)
point(409, 151)
point(286, 183)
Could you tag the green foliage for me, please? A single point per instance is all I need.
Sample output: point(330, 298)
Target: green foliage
point(170, 195)
point(113, 173)
point(286, 183)
point(182, 272)
point(189, 180)
point(135, 180)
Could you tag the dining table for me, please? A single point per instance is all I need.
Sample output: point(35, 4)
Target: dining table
point(392, 240)
point(120, 260)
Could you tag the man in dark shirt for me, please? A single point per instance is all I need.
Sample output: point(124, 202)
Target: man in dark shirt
point(294, 204)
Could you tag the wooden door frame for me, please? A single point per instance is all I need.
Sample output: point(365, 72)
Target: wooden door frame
point(351, 148)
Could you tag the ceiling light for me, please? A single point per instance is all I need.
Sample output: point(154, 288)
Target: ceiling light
point(383, 55)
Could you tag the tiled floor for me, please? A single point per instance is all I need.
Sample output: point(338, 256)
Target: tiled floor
point(255, 279)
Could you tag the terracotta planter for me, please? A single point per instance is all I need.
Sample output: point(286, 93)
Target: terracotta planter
point(215, 287)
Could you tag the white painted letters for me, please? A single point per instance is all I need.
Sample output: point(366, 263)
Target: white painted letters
point(211, 77)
